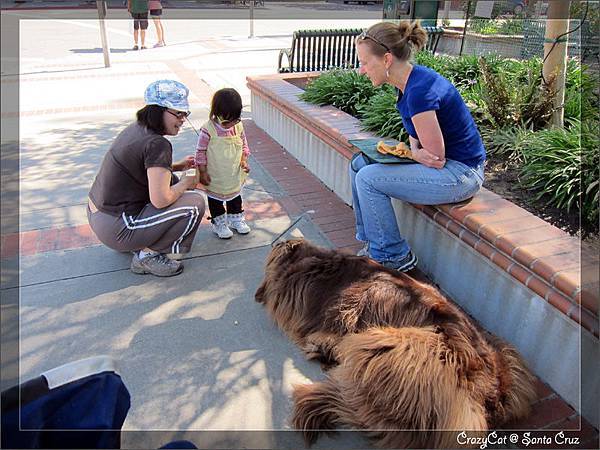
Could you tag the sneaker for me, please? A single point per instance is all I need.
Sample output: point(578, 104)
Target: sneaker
point(159, 44)
point(157, 264)
point(143, 47)
point(238, 223)
point(220, 228)
point(407, 263)
point(364, 251)
point(135, 47)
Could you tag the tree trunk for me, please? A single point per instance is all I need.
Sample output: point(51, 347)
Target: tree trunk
point(555, 64)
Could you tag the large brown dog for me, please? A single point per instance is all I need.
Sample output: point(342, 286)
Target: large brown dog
point(405, 358)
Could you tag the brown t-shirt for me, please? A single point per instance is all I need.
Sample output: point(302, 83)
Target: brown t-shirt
point(121, 184)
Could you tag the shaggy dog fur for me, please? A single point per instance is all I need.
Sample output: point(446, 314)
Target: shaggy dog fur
point(404, 357)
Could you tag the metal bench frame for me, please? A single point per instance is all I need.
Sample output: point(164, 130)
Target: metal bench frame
point(319, 50)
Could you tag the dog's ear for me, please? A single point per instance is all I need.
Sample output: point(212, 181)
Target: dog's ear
point(259, 296)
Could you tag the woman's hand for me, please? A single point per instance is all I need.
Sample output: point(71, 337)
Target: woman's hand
point(427, 158)
point(186, 163)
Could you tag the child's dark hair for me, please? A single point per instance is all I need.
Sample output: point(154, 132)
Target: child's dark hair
point(151, 116)
point(226, 104)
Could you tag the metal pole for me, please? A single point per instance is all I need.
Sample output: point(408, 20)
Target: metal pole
point(462, 42)
point(251, 18)
point(101, 5)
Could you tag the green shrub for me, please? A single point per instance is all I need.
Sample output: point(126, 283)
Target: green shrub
point(344, 89)
point(561, 165)
point(381, 116)
point(581, 93)
point(508, 143)
point(508, 103)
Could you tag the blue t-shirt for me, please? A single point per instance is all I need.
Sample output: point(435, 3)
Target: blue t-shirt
point(427, 90)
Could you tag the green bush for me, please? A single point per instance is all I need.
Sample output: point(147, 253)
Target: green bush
point(381, 117)
point(581, 93)
point(344, 89)
point(561, 165)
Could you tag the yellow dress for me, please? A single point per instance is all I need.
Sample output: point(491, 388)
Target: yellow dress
point(223, 155)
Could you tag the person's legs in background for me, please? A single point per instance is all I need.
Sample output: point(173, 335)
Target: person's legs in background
point(136, 27)
point(160, 32)
point(143, 28)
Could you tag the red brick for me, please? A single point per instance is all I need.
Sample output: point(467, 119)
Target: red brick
point(10, 246)
point(543, 390)
point(501, 260)
point(588, 297)
point(560, 302)
point(341, 225)
point(546, 412)
point(587, 320)
point(491, 231)
point(485, 249)
point(290, 206)
point(579, 427)
point(519, 273)
point(540, 287)
point(347, 233)
point(510, 241)
point(28, 242)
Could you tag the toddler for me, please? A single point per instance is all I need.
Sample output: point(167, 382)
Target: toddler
point(222, 161)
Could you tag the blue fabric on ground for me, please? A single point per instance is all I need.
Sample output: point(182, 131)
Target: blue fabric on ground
point(97, 404)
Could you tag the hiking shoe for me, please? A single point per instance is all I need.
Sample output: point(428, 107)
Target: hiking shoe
point(157, 264)
point(220, 228)
point(407, 263)
point(238, 223)
point(364, 251)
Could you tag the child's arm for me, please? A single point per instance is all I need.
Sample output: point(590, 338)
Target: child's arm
point(245, 153)
point(200, 158)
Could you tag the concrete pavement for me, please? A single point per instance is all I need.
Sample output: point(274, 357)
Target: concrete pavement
point(195, 351)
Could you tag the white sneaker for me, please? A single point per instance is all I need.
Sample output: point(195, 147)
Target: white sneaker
point(238, 223)
point(220, 228)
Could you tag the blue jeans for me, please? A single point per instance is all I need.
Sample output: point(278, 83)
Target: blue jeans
point(374, 186)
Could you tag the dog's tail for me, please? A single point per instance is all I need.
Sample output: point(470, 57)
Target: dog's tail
point(406, 379)
point(516, 383)
point(315, 409)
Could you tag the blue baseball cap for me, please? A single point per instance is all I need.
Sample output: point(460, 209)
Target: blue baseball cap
point(168, 93)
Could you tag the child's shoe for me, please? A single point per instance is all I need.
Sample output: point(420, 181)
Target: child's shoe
point(238, 223)
point(220, 228)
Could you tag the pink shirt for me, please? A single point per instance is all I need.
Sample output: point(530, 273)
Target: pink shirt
point(204, 140)
point(154, 4)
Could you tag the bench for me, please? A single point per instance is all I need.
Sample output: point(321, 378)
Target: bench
point(319, 50)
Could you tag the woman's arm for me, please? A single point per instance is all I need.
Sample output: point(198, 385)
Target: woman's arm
point(185, 164)
point(429, 149)
point(162, 194)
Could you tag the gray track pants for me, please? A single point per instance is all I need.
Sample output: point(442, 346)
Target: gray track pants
point(168, 230)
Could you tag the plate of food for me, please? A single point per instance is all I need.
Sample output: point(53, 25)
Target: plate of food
point(388, 151)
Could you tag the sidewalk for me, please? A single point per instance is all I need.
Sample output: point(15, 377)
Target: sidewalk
point(196, 351)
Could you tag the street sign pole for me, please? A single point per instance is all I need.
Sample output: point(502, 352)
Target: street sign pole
point(101, 5)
